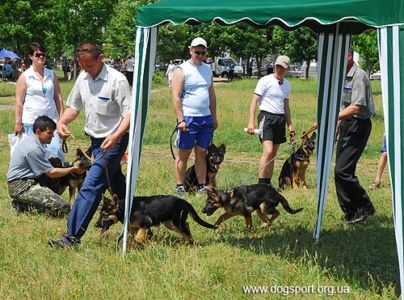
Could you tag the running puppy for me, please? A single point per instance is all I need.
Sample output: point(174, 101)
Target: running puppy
point(243, 200)
point(151, 211)
point(294, 168)
point(214, 158)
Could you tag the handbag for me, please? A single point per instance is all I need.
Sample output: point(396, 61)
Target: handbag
point(14, 140)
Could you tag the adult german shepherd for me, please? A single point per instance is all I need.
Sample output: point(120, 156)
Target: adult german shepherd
point(214, 157)
point(72, 181)
point(294, 168)
point(151, 211)
point(243, 200)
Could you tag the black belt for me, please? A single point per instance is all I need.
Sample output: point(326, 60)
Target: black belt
point(23, 179)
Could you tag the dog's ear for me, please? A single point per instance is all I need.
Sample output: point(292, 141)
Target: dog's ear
point(222, 147)
point(79, 152)
point(313, 137)
point(115, 199)
point(105, 199)
point(211, 147)
point(89, 151)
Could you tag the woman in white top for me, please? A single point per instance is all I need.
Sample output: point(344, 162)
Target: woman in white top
point(169, 72)
point(272, 94)
point(38, 94)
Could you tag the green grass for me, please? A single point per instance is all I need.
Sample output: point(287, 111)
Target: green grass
point(362, 258)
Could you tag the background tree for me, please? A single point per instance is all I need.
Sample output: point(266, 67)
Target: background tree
point(23, 22)
point(300, 45)
point(366, 45)
point(173, 42)
point(119, 34)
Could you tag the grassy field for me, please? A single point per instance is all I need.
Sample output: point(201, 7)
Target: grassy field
point(358, 260)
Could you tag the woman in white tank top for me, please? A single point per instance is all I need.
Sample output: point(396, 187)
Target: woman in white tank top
point(37, 94)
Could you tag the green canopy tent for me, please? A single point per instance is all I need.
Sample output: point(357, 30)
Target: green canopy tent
point(335, 21)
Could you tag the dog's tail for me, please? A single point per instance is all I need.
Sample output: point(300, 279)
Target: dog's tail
point(198, 219)
point(286, 206)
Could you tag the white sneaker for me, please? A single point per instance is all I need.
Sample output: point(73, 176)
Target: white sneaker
point(202, 190)
point(180, 190)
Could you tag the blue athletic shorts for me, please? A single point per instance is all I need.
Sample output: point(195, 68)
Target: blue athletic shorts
point(200, 132)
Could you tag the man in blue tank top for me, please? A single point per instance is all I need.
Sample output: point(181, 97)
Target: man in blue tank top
point(194, 102)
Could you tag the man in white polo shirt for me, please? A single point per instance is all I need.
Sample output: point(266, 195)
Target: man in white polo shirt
point(103, 93)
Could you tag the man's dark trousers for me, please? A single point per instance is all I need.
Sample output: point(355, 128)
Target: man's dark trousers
point(95, 184)
point(354, 134)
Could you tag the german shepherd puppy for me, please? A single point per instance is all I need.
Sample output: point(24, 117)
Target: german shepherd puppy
point(294, 168)
point(214, 158)
point(72, 181)
point(243, 200)
point(151, 211)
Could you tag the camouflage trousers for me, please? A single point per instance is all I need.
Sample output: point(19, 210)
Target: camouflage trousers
point(27, 194)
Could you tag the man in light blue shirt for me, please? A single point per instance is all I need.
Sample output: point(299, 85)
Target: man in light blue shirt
point(28, 162)
point(194, 102)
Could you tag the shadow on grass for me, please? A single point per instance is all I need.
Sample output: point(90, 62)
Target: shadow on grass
point(357, 253)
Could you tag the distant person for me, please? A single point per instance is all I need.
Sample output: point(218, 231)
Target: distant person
point(194, 102)
point(272, 95)
point(65, 67)
point(270, 67)
point(38, 94)
point(231, 71)
point(169, 72)
point(9, 70)
point(250, 67)
point(103, 94)
point(381, 166)
point(28, 162)
point(354, 129)
point(129, 69)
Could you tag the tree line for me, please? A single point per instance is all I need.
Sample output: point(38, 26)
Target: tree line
point(62, 24)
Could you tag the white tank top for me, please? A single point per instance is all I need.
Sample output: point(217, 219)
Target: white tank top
point(39, 98)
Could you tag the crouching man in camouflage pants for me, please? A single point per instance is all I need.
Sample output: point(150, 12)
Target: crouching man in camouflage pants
point(28, 162)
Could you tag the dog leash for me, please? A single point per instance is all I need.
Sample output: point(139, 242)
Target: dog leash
point(64, 147)
point(310, 130)
point(107, 173)
point(171, 141)
point(78, 147)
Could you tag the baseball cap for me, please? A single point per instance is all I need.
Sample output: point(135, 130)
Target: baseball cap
point(198, 42)
point(283, 60)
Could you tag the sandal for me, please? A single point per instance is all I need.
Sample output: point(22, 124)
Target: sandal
point(375, 185)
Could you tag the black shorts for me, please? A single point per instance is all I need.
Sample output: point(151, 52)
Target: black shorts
point(272, 127)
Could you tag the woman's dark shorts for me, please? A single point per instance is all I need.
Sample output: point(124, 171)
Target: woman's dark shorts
point(272, 127)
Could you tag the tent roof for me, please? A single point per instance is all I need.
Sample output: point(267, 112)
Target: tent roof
point(321, 16)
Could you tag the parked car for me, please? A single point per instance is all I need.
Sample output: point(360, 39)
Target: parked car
point(222, 65)
point(376, 76)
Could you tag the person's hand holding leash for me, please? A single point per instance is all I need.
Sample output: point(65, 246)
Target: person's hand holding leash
point(63, 131)
point(109, 142)
point(182, 125)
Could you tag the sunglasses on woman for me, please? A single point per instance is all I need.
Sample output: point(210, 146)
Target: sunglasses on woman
point(39, 54)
